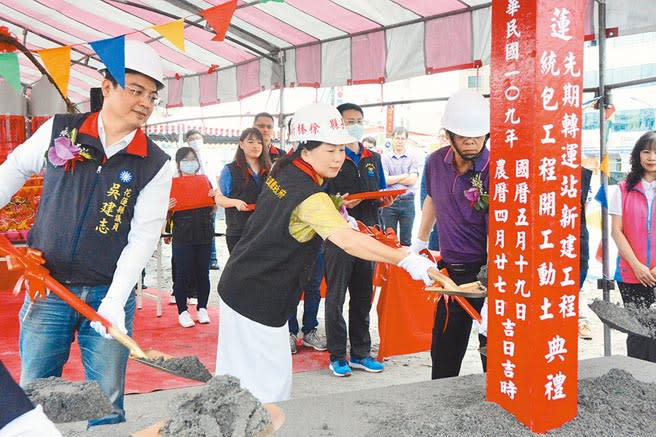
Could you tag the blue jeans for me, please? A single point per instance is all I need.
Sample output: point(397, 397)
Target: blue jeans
point(401, 213)
point(47, 331)
point(312, 299)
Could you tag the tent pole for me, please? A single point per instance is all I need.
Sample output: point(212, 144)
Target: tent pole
point(605, 284)
point(281, 116)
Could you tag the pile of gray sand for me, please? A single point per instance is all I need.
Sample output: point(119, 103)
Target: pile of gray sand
point(66, 401)
point(611, 405)
point(222, 408)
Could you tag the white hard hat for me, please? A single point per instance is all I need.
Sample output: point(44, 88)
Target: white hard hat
point(142, 58)
point(319, 122)
point(467, 114)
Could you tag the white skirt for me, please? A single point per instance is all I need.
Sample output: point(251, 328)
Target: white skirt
point(257, 354)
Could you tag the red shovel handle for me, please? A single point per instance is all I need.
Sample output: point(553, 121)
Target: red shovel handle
point(75, 302)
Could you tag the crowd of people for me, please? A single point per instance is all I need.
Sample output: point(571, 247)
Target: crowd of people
point(107, 185)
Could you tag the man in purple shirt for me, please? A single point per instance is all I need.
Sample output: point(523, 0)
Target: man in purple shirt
point(401, 172)
point(462, 223)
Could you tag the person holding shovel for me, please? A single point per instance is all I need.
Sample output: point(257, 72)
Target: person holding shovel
point(105, 196)
point(457, 185)
point(266, 270)
point(632, 216)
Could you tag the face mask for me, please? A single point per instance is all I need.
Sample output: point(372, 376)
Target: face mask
point(189, 167)
point(195, 144)
point(356, 131)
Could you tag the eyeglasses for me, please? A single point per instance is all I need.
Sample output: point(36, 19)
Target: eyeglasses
point(153, 98)
point(353, 122)
point(264, 126)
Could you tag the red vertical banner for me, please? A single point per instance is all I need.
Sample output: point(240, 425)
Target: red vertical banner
point(536, 89)
point(389, 121)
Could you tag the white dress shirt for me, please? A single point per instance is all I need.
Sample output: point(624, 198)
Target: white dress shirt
point(149, 211)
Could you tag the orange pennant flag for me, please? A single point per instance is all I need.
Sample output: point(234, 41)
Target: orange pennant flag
point(173, 32)
point(218, 17)
point(604, 166)
point(58, 63)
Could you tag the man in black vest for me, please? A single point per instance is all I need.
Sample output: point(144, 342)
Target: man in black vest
point(362, 171)
point(104, 201)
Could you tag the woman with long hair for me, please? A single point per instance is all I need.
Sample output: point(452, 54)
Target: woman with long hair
point(632, 212)
point(192, 234)
point(261, 282)
point(240, 183)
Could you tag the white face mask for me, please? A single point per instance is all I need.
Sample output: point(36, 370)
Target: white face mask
point(195, 144)
point(189, 167)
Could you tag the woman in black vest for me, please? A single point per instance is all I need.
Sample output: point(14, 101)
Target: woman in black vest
point(192, 234)
point(261, 282)
point(240, 183)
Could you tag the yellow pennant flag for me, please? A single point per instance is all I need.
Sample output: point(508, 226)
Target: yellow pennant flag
point(58, 63)
point(174, 32)
point(603, 167)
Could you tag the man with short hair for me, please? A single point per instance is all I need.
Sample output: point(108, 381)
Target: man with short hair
point(265, 124)
point(361, 171)
point(369, 143)
point(463, 227)
point(105, 196)
point(401, 172)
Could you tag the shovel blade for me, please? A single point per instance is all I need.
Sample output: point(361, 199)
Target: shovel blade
point(619, 318)
point(182, 367)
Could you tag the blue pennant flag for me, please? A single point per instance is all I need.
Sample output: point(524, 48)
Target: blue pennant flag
point(601, 197)
point(112, 54)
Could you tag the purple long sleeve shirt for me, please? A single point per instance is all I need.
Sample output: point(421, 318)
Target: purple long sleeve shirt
point(462, 229)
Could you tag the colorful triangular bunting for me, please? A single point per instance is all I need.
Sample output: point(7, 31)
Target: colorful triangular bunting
point(604, 166)
point(601, 197)
point(173, 32)
point(58, 63)
point(112, 53)
point(218, 17)
point(10, 70)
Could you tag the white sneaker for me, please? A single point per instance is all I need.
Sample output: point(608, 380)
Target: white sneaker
point(185, 321)
point(203, 317)
point(172, 299)
point(192, 301)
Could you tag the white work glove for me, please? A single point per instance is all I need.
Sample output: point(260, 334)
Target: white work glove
point(32, 423)
point(417, 266)
point(418, 245)
point(113, 310)
point(482, 327)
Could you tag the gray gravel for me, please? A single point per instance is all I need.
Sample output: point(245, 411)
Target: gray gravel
point(66, 401)
point(611, 405)
point(222, 408)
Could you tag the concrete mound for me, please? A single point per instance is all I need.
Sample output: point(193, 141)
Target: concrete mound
point(222, 408)
point(67, 401)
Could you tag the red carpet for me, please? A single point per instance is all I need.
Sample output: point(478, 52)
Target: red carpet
point(160, 333)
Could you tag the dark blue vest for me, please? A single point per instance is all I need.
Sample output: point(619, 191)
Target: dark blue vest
point(84, 214)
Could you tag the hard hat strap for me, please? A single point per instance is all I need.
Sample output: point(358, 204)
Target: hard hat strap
point(452, 137)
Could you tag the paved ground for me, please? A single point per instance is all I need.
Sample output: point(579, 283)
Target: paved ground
point(146, 409)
